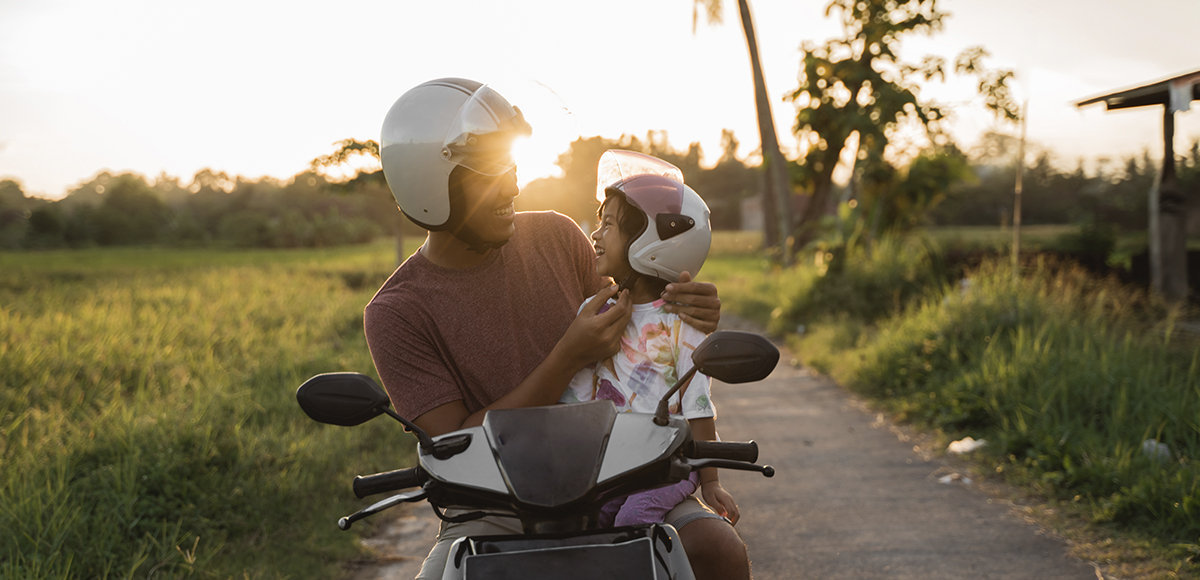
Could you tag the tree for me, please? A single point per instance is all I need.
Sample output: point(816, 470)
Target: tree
point(855, 93)
point(778, 192)
point(360, 163)
point(909, 197)
point(727, 185)
point(130, 213)
point(14, 214)
point(47, 227)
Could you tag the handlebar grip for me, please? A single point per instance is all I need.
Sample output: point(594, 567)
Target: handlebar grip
point(365, 485)
point(734, 450)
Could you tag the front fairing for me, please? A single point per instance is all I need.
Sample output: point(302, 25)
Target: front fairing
point(555, 458)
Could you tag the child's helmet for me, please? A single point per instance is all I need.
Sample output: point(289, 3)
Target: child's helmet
point(677, 234)
point(437, 126)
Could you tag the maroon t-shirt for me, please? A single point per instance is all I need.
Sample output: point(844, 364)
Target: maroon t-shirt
point(439, 335)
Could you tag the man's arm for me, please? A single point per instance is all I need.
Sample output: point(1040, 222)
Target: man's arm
point(695, 302)
point(592, 336)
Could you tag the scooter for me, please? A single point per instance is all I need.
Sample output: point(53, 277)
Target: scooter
point(552, 467)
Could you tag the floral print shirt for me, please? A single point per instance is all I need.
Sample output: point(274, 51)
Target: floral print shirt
point(655, 351)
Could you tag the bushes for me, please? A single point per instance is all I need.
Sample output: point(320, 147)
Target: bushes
point(1062, 373)
point(852, 283)
point(1066, 375)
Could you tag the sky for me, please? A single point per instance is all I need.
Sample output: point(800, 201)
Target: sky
point(259, 88)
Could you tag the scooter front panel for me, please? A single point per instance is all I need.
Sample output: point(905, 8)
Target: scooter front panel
point(474, 467)
point(636, 442)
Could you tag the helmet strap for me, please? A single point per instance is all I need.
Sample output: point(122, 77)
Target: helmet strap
point(629, 281)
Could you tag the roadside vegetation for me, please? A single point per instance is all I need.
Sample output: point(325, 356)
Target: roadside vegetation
point(148, 423)
point(1086, 390)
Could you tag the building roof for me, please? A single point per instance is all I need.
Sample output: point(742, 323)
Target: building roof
point(1155, 93)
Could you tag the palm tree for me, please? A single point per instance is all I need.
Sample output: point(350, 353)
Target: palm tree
point(778, 195)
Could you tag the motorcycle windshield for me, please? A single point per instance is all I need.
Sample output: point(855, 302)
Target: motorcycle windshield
point(550, 456)
point(617, 165)
point(481, 135)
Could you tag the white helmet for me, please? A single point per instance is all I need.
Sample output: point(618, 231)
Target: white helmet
point(677, 234)
point(437, 126)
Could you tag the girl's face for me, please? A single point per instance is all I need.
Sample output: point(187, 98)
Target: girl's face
point(610, 243)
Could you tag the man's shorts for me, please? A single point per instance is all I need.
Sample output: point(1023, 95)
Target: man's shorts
point(688, 511)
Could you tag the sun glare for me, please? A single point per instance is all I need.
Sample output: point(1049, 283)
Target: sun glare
point(535, 159)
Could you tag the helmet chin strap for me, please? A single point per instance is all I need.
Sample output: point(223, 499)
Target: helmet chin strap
point(629, 281)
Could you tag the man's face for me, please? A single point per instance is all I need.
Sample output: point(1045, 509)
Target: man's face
point(483, 208)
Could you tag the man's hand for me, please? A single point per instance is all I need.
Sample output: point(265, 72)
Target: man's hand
point(596, 332)
point(695, 302)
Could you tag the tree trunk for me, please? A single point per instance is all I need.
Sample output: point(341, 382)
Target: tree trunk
point(777, 197)
point(807, 227)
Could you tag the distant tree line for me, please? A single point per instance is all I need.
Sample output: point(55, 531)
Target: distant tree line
point(314, 208)
point(216, 209)
point(1112, 192)
point(942, 186)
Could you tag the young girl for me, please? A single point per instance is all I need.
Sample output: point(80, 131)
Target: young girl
point(651, 229)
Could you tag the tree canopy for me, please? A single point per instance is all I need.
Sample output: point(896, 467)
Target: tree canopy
point(856, 94)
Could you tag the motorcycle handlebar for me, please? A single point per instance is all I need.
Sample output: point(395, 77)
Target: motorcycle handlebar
point(734, 450)
point(365, 485)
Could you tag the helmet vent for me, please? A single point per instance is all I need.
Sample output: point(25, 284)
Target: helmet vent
point(670, 225)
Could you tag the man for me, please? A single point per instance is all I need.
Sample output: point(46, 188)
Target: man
point(483, 316)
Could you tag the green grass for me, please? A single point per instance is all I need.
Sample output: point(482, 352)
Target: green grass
point(148, 424)
point(998, 238)
point(1065, 375)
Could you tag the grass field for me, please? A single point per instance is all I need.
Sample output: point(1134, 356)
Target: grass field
point(148, 424)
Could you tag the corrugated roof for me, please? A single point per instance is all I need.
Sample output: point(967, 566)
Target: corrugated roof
point(1155, 93)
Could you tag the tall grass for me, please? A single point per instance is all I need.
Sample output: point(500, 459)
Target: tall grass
point(148, 425)
point(1073, 380)
point(1067, 376)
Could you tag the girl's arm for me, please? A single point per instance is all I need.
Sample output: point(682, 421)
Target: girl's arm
point(705, 429)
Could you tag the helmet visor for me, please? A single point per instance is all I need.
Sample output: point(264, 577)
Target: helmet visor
point(481, 135)
point(617, 165)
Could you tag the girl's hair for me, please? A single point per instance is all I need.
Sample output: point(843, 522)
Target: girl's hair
point(631, 222)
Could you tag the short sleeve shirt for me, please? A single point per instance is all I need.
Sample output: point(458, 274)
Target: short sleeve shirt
point(656, 350)
point(439, 335)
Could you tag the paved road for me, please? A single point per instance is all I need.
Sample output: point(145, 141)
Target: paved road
point(850, 499)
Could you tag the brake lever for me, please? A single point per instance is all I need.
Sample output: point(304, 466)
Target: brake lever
point(695, 464)
point(395, 500)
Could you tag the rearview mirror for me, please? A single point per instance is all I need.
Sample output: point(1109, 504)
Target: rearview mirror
point(729, 356)
point(735, 357)
point(345, 399)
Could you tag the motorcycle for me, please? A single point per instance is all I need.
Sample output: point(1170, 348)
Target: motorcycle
point(553, 468)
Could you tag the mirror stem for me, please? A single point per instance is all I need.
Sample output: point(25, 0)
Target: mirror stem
point(661, 414)
point(422, 437)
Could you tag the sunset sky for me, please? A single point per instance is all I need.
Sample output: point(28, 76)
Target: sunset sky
point(259, 88)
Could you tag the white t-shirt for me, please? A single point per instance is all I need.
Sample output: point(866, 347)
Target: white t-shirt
point(655, 351)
